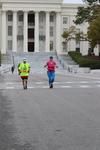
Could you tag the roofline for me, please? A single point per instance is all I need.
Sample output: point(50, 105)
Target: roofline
point(69, 5)
point(31, 1)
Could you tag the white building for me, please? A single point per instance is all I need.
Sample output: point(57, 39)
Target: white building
point(37, 25)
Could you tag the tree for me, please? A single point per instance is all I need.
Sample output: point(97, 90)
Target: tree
point(90, 13)
point(87, 14)
point(80, 36)
point(72, 33)
point(91, 1)
point(83, 15)
point(94, 32)
point(69, 34)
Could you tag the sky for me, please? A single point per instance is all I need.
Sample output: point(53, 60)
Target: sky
point(73, 1)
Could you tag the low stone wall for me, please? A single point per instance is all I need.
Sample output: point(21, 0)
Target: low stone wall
point(5, 68)
point(73, 68)
point(83, 70)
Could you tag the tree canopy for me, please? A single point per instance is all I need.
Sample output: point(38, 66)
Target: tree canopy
point(91, 1)
point(90, 13)
point(94, 32)
point(69, 34)
point(87, 13)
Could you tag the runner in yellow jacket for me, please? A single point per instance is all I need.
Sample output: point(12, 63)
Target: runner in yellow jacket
point(24, 69)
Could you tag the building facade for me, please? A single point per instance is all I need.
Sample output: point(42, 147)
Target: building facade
point(37, 26)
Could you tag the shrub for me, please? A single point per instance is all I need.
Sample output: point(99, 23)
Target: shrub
point(84, 61)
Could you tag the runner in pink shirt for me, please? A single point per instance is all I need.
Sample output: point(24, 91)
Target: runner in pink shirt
point(51, 66)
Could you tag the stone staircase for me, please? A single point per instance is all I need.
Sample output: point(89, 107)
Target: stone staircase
point(6, 63)
point(67, 59)
point(6, 58)
point(68, 63)
point(36, 60)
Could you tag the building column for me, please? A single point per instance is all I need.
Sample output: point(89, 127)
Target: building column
point(25, 32)
point(14, 47)
point(4, 38)
point(47, 32)
point(36, 31)
point(58, 32)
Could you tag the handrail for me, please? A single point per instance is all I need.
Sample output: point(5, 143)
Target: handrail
point(13, 63)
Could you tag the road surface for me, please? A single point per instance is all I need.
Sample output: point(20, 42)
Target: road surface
point(64, 118)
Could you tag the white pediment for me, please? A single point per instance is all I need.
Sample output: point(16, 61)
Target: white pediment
point(33, 1)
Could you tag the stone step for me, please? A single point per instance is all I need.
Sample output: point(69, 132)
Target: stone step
point(36, 60)
point(67, 59)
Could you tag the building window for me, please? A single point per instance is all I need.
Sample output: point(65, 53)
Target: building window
point(65, 20)
point(78, 46)
point(51, 18)
point(20, 30)
point(78, 40)
point(41, 37)
point(9, 44)
point(51, 45)
point(64, 46)
point(42, 18)
point(20, 18)
point(31, 19)
point(51, 31)
point(9, 30)
point(64, 29)
point(10, 17)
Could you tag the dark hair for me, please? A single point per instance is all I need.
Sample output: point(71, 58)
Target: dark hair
point(51, 57)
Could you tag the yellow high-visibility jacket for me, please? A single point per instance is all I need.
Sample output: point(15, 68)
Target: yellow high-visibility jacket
point(24, 69)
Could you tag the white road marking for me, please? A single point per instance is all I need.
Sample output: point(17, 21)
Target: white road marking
point(9, 83)
point(85, 86)
point(69, 82)
point(30, 87)
point(57, 84)
point(44, 87)
point(63, 86)
point(98, 85)
point(39, 82)
point(96, 81)
point(83, 82)
point(9, 87)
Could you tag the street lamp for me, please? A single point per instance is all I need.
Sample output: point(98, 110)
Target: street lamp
point(0, 58)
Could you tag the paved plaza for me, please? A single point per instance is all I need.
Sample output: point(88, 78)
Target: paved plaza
point(64, 118)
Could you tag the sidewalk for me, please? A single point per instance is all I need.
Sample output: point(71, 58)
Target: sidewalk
point(94, 74)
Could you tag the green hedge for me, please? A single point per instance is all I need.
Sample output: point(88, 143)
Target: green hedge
point(84, 61)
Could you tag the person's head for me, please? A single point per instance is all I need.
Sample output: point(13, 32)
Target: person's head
point(51, 57)
point(24, 60)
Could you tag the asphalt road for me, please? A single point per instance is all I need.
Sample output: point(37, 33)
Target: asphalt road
point(64, 118)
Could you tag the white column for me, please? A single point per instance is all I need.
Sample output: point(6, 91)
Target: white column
point(3, 43)
point(58, 32)
point(36, 31)
point(25, 32)
point(47, 31)
point(14, 47)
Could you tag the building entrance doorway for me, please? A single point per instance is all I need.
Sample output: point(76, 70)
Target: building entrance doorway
point(30, 46)
point(31, 23)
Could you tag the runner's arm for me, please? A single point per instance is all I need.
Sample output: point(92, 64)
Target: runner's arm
point(45, 65)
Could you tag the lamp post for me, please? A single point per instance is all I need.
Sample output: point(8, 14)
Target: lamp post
point(0, 58)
